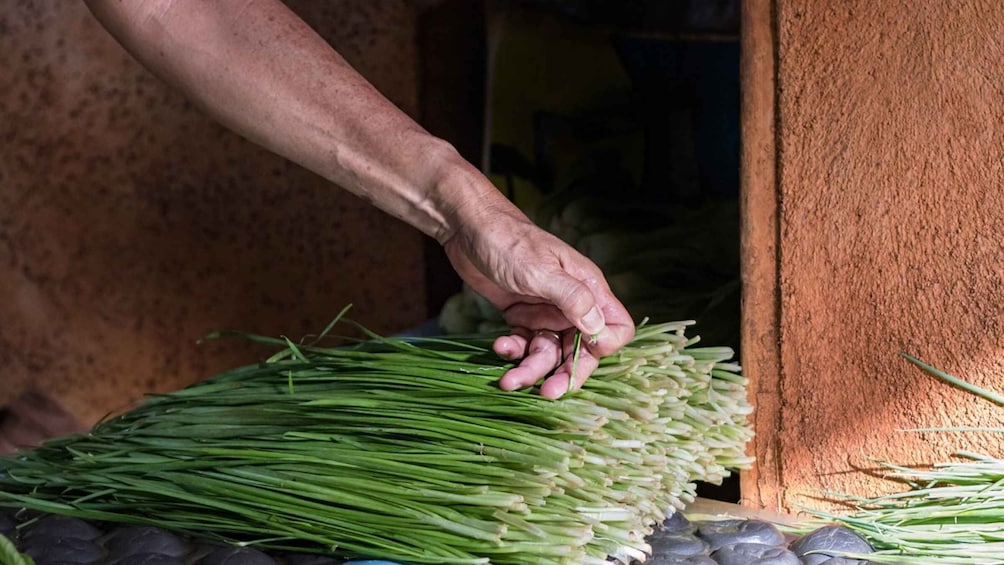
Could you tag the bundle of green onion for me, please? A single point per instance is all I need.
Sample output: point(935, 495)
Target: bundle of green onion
point(951, 514)
point(405, 449)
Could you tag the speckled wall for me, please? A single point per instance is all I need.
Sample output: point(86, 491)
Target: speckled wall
point(876, 194)
point(131, 225)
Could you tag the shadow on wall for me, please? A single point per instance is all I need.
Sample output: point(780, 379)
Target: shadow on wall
point(31, 418)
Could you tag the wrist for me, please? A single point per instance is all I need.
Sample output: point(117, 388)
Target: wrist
point(466, 197)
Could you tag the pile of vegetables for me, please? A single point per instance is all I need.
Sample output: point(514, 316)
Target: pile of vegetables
point(405, 449)
point(951, 513)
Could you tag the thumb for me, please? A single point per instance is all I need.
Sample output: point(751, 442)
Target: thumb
point(575, 300)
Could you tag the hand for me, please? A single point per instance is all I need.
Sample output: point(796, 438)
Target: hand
point(546, 291)
point(260, 70)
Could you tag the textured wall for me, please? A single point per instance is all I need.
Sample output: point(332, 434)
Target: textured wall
point(131, 225)
point(889, 203)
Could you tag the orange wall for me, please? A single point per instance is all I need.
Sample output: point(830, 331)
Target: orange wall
point(131, 225)
point(874, 170)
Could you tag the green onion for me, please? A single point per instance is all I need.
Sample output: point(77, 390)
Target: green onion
point(983, 393)
point(10, 556)
point(951, 514)
point(405, 449)
point(576, 347)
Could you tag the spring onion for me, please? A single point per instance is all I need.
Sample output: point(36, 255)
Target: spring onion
point(951, 513)
point(404, 449)
point(10, 556)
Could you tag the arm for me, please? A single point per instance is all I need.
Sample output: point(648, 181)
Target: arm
point(257, 68)
point(261, 71)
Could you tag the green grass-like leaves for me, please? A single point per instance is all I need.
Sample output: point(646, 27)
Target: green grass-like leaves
point(406, 449)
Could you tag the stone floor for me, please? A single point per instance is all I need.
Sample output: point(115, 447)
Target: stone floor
point(60, 540)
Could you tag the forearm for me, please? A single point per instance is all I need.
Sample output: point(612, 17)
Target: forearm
point(261, 71)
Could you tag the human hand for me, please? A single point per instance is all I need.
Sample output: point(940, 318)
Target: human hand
point(546, 291)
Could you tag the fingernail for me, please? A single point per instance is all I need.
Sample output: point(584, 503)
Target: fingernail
point(593, 320)
point(508, 384)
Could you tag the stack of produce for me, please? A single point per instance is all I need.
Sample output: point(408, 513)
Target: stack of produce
point(405, 449)
point(951, 514)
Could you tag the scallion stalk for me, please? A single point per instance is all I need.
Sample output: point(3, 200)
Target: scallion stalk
point(405, 449)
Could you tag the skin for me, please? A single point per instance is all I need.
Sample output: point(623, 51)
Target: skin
point(260, 70)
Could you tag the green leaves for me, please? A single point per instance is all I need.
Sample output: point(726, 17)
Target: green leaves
point(951, 514)
point(405, 449)
point(982, 393)
point(10, 556)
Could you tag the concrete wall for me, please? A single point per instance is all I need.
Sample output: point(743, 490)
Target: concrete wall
point(874, 176)
point(131, 225)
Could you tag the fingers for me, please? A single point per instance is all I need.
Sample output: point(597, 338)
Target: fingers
point(527, 315)
point(541, 282)
point(575, 300)
point(545, 351)
point(541, 359)
point(543, 354)
point(512, 347)
point(617, 331)
point(557, 384)
point(587, 304)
